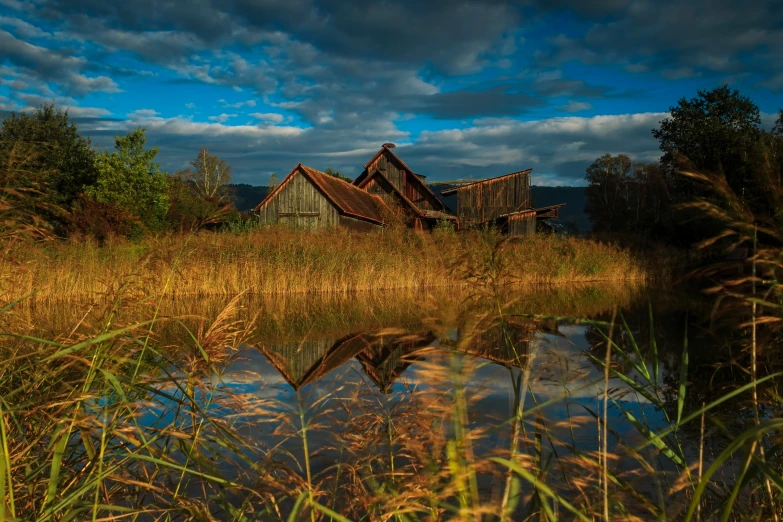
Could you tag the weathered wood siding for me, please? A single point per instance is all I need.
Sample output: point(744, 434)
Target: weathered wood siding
point(296, 359)
point(522, 225)
point(420, 197)
point(358, 225)
point(389, 168)
point(300, 204)
point(406, 182)
point(493, 198)
point(382, 188)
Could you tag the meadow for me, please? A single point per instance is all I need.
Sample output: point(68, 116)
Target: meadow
point(143, 406)
point(279, 260)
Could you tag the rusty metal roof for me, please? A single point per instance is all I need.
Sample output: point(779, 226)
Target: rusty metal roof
point(490, 180)
point(536, 211)
point(349, 199)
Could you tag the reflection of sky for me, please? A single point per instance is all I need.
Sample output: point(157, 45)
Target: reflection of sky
point(558, 370)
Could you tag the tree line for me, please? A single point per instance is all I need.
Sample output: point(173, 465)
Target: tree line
point(717, 134)
point(55, 183)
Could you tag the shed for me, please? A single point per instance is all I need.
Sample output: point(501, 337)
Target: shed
point(309, 198)
point(485, 201)
point(504, 202)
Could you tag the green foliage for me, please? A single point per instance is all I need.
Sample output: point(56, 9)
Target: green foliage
point(337, 174)
point(715, 131)
point(23, 194)
point(131, 179)
point(273, 181)
point(67, 158)
point(718, 132)
point(628, 198)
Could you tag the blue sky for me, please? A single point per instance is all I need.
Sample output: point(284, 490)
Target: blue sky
point(466, 89)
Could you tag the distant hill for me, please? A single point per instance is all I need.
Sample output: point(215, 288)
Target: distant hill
point(247, 196)
point(573, 197)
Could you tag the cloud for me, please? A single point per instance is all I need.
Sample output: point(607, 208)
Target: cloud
point(558, 149)
point(50, 65)
point(222, 118)
point(268, 116)
point(675, 39)
point(575, 106)
point(190, 105)
point(238, 105)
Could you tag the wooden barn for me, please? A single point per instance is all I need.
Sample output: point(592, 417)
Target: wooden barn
point(388, 177)
point(308, 198)
point(504, 202)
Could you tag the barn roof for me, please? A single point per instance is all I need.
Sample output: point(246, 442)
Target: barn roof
point(336, 355)
point(490, 180)
point(548, 211)
point(349, 199)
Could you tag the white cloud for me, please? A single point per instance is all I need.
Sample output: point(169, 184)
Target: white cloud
point(268, 116)
point(238, 105)
point(190, 105)
point(222, 118)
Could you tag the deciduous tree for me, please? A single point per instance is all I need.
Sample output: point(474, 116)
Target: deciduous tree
point(210, 175)
point(130, 178)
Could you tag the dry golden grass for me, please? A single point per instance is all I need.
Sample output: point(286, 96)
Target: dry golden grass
point(279, 261)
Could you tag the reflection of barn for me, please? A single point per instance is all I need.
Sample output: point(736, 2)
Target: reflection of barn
point(307, 361)
point(385, 356)
point(504, 202)
point(309, 198)
point(388, 177)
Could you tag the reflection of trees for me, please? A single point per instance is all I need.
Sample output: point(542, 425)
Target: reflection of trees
point(712, 368)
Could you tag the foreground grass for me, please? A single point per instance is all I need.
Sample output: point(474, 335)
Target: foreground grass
point(277, 260)
point(124, 418)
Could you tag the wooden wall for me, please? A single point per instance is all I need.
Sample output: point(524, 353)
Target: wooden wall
point(300, 204)
point(405, 182)
point(492, 198)
point(522, 225)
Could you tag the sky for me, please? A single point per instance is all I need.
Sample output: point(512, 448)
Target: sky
point(465, 89)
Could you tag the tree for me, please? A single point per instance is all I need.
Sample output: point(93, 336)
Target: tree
point(627, 198)
point(337, 174)
point(210, 174)
point(607, 205)
point(131, 179)
point(272, 182)
point(65, 158)
point(778, 128)
point(713, 132)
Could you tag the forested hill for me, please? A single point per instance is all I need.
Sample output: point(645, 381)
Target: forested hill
point(247, 196)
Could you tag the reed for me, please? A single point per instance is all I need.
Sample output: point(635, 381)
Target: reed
point(277, 260)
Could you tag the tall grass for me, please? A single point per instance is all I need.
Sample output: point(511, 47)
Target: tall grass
point(278, 260)
point(126, 418)
point(133, 412)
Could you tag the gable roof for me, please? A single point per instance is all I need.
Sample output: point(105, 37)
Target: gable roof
point(408, 202)
point(336, 355)
point(418, 177)
point(466, 185)
point(347, 198)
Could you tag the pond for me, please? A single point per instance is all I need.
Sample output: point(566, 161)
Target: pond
point(409, 404)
